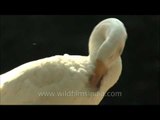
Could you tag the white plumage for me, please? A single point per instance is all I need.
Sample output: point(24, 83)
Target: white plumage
point(69, 79)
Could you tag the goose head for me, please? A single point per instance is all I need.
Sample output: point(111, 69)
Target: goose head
point(106, 45)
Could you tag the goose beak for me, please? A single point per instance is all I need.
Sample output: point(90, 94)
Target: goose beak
point(99, 72)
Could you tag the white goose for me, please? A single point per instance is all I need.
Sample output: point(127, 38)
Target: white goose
point(69, 79)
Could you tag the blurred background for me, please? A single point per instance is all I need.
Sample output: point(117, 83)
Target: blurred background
point(24, 38)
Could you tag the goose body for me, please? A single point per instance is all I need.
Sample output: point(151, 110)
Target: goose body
point(69, 79)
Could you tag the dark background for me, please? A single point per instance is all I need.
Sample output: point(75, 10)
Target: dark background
point(24, 38)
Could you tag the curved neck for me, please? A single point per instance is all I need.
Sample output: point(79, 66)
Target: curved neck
point(107, 40)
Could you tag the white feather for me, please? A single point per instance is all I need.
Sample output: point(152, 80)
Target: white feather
point(65, 79)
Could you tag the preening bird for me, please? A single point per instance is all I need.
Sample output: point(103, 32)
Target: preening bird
point(69, 79)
